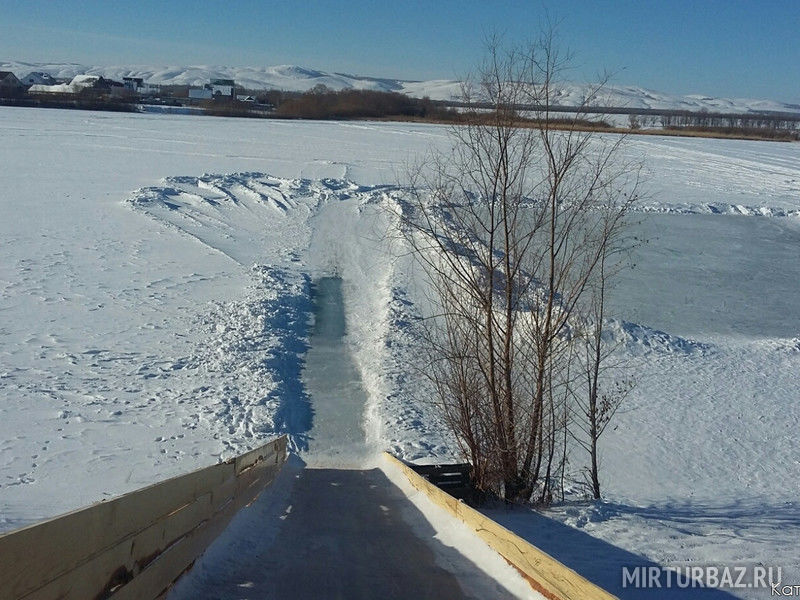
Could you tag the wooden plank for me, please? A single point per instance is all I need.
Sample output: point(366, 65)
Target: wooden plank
point(274, 451)
point(254, 478)
point(253, 457)
point(453, 478)
point(224, 492)
point(115, 566)
point(546, 574)
point(76, 555)
point(459, 468)
point(249, 483)
point(169, 566)
point(51, 546)
point(159, 576)
point(261, 479)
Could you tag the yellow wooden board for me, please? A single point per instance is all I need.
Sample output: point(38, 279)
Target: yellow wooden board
point(543, 572)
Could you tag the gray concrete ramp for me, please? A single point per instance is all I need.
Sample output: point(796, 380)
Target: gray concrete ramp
point(333, 534)
point(357, 544)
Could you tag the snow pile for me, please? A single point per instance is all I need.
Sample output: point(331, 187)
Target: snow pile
point(719, 209)
point(78, 83)
point(313, 229)
point(639, 340)
point(252, 359)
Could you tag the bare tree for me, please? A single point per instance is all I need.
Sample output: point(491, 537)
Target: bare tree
point(511, 226)
point(602, 385)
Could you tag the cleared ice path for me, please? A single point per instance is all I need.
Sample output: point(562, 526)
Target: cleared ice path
point(345, 532)
point(334, 385)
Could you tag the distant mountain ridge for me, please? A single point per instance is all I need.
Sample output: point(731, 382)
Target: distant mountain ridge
point(300, 79)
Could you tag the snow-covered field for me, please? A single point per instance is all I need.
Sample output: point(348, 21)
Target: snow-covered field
point(155, 283)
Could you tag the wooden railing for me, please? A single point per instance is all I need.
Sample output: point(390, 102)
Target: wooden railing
point(134, 546)
point(545, 574)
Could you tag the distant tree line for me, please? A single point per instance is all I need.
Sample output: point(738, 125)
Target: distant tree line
point(761, 125)
point(323, 103)
point(537, 119)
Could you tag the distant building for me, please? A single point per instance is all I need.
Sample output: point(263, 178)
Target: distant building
point(223, 87)
point(135, 86)
point(133, 83)
point(10, 85)
point(218, 88)
point(39, 78)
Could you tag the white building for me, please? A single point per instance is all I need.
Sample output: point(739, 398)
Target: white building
point(223, 87)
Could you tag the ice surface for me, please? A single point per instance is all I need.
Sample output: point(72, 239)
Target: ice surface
point(739, 276)
point(333, 384)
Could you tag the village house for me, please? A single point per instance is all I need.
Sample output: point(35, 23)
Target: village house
point(203, 93)
point(10, 85)
point(218, 88)
point(133, 83)
point(39, 78)
point(223, 88)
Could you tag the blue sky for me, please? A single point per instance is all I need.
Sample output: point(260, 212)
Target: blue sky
point(715, 47)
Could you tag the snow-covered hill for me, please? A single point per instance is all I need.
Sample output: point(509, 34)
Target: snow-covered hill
point(296, 78)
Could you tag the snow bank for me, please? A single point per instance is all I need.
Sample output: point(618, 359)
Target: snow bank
point(78, 83)
point(314, 229)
